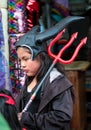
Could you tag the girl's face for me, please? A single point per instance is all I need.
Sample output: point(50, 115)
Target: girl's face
point(30, 67)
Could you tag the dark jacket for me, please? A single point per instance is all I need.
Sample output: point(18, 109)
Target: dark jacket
point(56, 105)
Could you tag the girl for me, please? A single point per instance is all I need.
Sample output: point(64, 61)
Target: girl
point(52, 107)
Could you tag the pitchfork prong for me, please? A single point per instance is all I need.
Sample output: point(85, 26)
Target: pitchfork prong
point(60, 53)
point(83, 41)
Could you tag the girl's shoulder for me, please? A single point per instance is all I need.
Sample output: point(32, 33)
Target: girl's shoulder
point(55, 74)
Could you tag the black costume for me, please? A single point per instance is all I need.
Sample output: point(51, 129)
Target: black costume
point(55, 109)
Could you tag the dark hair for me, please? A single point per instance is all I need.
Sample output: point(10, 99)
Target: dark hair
point(9, 111)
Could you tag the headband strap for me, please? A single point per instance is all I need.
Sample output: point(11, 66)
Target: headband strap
point(24, 45)
point(9, 100)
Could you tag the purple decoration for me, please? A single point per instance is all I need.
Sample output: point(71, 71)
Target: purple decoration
point(1, 32)
point(2, 71)
point(19, 16)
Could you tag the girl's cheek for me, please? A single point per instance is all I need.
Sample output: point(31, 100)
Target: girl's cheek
point(30, 65)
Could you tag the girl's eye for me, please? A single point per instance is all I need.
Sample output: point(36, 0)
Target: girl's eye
point(26, 59)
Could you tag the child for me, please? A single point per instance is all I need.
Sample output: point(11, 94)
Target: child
point(52, 106)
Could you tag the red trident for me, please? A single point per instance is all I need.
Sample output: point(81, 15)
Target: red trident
point(57, 58)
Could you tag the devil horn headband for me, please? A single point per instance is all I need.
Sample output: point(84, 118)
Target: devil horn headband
point(53, 31)
point(33, 39)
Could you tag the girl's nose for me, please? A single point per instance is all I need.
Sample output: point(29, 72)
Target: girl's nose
point(23, 64)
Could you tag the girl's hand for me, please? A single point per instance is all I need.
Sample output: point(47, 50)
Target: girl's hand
point(19, 116)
